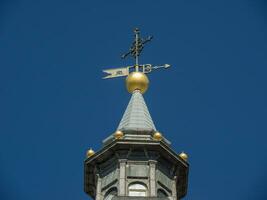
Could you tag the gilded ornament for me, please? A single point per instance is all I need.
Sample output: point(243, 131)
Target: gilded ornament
point(118, 134)
point(90, 152)
point(157, 136)
point(184, 156)
point(137, 81)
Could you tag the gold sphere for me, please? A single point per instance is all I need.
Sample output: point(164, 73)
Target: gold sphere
point(90, 152)
point(157, 136)
point(118, 134)
point(184, 156)
point(137, 81)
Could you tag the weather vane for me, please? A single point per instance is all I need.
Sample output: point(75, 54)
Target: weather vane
point(134, 51)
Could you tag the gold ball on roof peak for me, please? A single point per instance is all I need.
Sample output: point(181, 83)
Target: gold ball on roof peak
point(137, 81)
point(118, 134)
point(157, 136)
point(184, 156)
point(90, 152)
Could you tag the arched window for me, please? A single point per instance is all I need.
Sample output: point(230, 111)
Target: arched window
point(137, 190)
point(162, 193)
point(111, 193)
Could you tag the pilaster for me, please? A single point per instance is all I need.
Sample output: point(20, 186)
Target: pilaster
point(122, 177)
point(99, 196)
point(152, 177)
point(174, 191)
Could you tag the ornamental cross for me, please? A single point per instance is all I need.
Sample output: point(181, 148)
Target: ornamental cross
point(134, 51)
point(137, 46)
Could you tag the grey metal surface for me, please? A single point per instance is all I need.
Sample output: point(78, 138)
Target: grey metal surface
point(137, 135)
point(136, 116)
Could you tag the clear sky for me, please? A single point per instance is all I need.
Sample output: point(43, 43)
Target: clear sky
point(211, 103)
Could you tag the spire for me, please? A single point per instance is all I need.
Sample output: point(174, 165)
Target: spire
point(136, 116)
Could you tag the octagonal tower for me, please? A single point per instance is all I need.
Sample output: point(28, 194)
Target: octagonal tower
point(137, 160)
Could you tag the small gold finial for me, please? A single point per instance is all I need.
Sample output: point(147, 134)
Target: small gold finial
point(157, 136)
point(118, 134)
point(137, 81)
point(90, 152)
point(184, 156)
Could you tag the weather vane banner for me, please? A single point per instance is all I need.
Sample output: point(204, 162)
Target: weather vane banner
point(124, 71)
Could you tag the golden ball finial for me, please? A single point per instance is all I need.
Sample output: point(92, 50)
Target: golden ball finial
point(184, 156)
point(90, 152)
point(137, 81)
point(157, 136)
point(118, 134)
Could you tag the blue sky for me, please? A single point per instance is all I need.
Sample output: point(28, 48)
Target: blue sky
point(54, 104)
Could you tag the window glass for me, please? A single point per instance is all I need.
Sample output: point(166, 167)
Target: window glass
point(162, 193)
point(110, 194)
point(137, 190)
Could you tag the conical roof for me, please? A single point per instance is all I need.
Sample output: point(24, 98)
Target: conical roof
point(136, 116)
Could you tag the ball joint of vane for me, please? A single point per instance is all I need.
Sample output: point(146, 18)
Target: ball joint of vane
point(137, 81)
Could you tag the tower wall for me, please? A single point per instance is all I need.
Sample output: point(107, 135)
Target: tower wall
point(117, 173)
